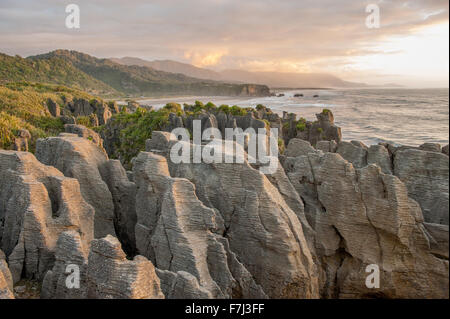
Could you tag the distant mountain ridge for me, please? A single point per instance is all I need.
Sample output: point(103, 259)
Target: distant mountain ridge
point(271, 79)
point(107, 78)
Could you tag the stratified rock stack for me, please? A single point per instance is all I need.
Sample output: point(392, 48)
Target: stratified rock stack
point(364, 217)
point(78, 158)
point(247, 210)
point(104, 272)
point(112, 276)
point(37, 204)
point(70, 259)
point(84, 132)
point(423, 169)
point(425, 174)
point(178, 233)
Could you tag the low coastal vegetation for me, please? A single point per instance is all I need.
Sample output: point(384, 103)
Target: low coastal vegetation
point(23, 106)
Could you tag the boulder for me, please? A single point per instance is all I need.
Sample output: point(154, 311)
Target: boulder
point(445, 149)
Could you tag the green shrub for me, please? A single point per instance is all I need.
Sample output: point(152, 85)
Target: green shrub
point(237, 111)
point(137, 127)
point(301, 124)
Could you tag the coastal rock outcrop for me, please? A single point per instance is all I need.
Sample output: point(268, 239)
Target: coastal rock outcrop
point(37, 204)
point(78, 158)
point(253, 216)
point(178, 233)
point(369, 221)
point(70, 258)
point(111, 275)
point(103, 272)
point(426, 175)
point(84, 132)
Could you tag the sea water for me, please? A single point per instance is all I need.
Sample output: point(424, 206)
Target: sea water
point(400, 116)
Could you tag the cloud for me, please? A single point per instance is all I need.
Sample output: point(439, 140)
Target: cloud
point(287, 34)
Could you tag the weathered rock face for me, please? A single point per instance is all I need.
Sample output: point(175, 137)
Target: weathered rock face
point(323, 129)
point(256, 219)
point(423, 169)
point(104, 272)
point(70, 259)
point(426, 176)
point(123, 192)
point(297, 147)
point(327, 146)
point(53, 108)
point(111, 276)
point(84, 132)
point(78, 158)
point(178, 233)
point(37, 203)
point(438, 236)
point(379, 155)
point(364, 217)
point(353, 152)
point(6, 281)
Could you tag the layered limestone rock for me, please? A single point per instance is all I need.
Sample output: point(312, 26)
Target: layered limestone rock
point(112, 276)
point(103, 272)
point(37, 203)
point(323, 129)
point(297, 147)
point(249, 212)
point(423, 169)
point(70, 260)
point(84, 132)
point(78, 158)
point(379, 155)
point(354, 152)
point(426, 175)
point(178, 233)
point(6, 281)
point(364, 217)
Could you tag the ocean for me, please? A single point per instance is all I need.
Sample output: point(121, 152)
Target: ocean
point(400, 116)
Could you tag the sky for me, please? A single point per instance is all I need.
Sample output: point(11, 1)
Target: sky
point(410, 47)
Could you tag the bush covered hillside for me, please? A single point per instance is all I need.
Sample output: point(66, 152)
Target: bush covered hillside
point(106, 78)
point(23, 106)
point(52, 70)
